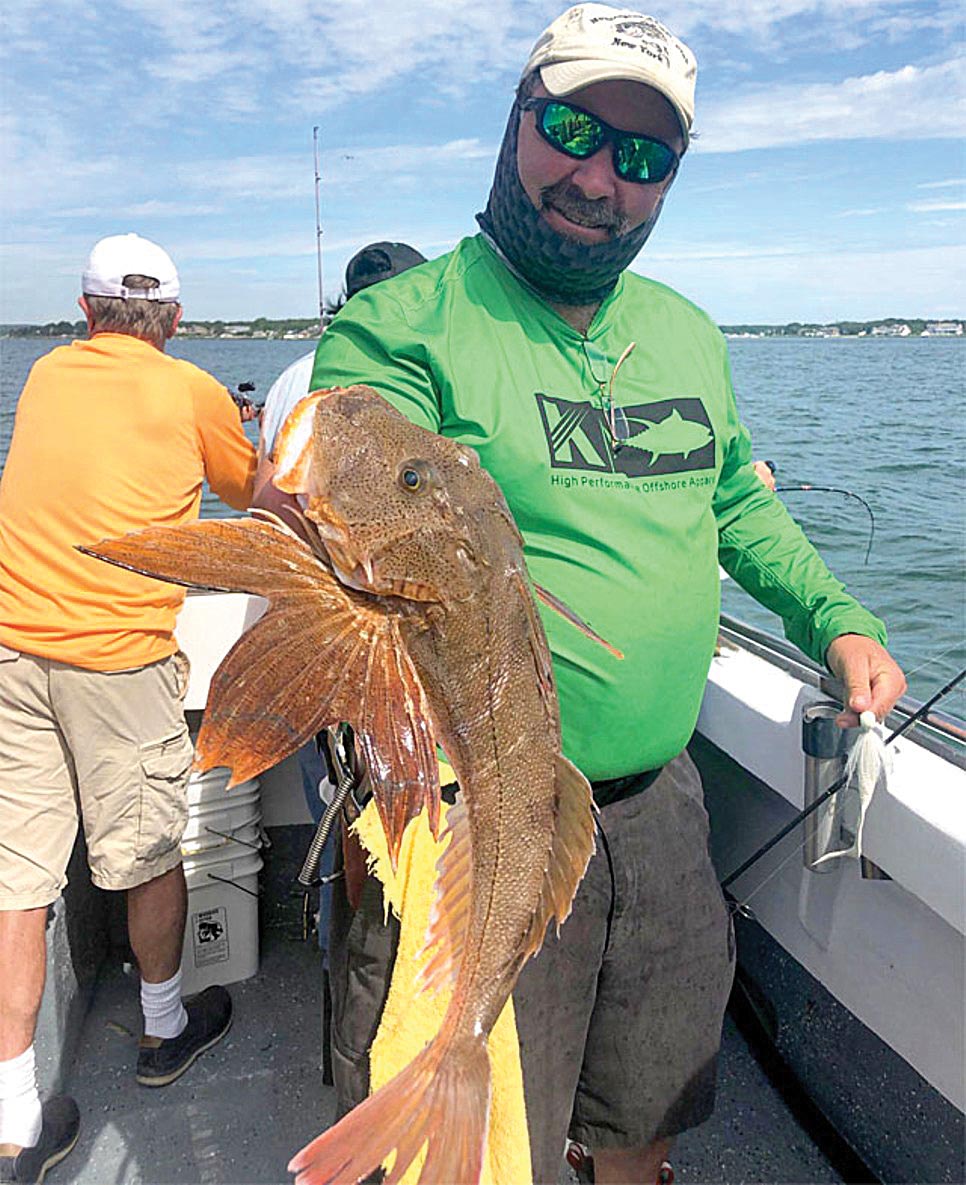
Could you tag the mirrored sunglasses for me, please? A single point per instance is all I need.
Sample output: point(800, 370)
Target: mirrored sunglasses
point(580, 134)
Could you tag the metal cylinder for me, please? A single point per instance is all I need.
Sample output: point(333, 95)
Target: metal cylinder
point(826, 748)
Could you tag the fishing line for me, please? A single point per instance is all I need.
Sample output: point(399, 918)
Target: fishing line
point(935, 658)
point(808, 488)
point(741, 907)
point(766, 847)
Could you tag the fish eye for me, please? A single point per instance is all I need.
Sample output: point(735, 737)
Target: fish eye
point(412, 476)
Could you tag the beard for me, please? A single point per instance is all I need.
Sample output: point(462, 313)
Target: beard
point(599, 213)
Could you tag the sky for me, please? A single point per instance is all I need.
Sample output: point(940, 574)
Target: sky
point(827, 181)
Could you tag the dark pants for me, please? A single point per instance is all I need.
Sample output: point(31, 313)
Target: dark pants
point(620, 1017)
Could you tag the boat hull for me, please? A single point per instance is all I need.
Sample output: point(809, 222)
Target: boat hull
point(861, 981)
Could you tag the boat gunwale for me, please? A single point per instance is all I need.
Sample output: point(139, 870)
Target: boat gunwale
point(940, 733)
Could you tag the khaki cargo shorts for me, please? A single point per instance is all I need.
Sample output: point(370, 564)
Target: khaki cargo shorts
point(110, 748)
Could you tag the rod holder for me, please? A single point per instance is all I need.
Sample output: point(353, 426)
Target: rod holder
point(826, 748)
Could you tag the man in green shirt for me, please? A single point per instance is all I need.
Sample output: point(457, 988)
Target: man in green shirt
point(602, 404)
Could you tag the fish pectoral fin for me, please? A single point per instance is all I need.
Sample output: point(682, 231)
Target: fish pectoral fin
point(320, 655)
point(442, 952)
point(312, 662)
point(392, 719)
point(223, 555)
point(570, 851)
point(553, 602)
point(283, 680)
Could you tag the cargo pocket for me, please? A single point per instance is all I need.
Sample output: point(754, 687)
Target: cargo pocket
point(163, 814)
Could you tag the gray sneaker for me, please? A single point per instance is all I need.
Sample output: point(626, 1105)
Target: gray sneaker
point(162, 1060)
point(61, 1124)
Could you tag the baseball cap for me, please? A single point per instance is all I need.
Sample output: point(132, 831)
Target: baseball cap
point(378, 262)
point(118, 256)
point(593, 43)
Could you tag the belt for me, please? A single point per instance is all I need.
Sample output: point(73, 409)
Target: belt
point(605, 793)
point(617, 789)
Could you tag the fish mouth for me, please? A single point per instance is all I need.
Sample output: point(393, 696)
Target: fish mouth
point(358, 568)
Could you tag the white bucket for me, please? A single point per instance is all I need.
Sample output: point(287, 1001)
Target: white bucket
point(221, 935)
point(211, 849)
point(213, 825)
point(212, 787)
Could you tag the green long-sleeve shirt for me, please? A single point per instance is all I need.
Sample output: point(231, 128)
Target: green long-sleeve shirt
point(628, 537)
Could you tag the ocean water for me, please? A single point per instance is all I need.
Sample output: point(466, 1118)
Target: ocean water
point(884, 418)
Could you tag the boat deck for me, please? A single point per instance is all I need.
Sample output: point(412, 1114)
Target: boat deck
point(247, 1105)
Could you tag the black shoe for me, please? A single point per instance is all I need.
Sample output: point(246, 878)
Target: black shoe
point(61, 1124)
point(161, 1061)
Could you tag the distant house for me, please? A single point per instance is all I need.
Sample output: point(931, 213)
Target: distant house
point(902, 330)
point(943, 329)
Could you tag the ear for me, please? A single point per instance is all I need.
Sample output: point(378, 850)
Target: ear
point(176, 322)
point(86, 310)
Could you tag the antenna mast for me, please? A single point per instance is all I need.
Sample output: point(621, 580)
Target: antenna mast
point(318, 229)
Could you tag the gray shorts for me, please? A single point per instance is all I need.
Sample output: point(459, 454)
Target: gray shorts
point(620, 1017)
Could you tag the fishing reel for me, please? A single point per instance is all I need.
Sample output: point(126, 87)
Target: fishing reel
point(248, 409)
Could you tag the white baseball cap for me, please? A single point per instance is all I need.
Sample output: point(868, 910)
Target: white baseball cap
point(593, 43)
point(118, 256)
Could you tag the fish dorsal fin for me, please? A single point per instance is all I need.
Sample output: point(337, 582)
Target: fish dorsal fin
point(320, 655)
point(570, 851)
point(442, 951)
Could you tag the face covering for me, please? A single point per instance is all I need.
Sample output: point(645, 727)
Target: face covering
point(560, 269)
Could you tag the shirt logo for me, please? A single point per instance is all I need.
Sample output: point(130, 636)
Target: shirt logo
point(654, 439)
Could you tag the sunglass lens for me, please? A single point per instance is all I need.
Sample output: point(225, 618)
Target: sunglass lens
point(638, 159)
point(574, 132)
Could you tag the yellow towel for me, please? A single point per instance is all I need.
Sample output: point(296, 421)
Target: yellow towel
point(410, 1020)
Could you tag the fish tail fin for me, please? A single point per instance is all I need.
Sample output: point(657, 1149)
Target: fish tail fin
point(440, 1102)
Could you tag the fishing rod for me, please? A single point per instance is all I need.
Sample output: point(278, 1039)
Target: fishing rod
point(920, 712)
point(809, 487)
point(318, 228)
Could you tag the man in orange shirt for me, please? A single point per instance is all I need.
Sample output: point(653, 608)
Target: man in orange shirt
point(111, 435)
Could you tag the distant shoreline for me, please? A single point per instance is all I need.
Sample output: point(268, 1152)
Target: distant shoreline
point(264, 329)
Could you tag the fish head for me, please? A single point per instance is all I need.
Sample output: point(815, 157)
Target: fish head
point(400, 510)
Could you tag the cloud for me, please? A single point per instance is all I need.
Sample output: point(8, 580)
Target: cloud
point(956, 181)
point(148, 209)
point(867, 212)
point(914, 102)
point(776, 287)
point(934, 207)
point(278, 177)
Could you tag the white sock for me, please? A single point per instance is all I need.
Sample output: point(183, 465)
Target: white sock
point(20, 1113)
point(164, 1014)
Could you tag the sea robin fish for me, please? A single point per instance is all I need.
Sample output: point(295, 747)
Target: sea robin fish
point(411, 618)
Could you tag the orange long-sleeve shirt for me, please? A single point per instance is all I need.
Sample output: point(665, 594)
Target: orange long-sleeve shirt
point(111, 435)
